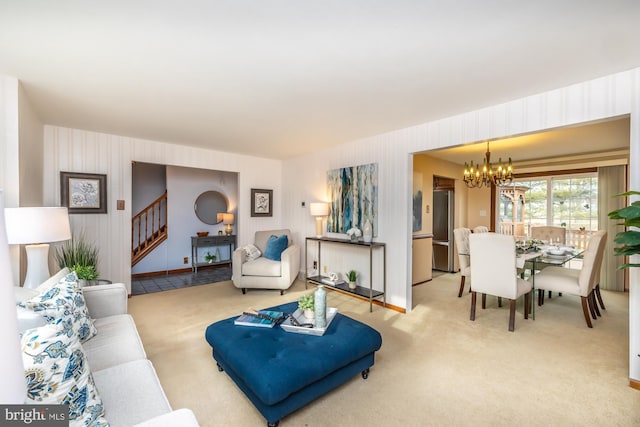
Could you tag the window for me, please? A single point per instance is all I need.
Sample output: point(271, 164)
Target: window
point(569, 201)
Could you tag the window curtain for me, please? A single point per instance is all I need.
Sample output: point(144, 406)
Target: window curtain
point(611, 181)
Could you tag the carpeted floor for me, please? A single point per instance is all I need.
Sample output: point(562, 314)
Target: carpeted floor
point(435, 368)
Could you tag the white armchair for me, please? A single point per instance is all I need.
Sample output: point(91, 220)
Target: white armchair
point(263, 273)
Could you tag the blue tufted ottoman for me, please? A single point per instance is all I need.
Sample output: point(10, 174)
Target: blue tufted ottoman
point(281, 371)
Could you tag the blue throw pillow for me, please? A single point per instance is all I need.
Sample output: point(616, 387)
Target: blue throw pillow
point(275, 246)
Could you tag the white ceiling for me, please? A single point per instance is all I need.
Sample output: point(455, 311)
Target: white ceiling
point(279, 78)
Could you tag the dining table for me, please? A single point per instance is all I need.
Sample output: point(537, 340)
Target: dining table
point(544, 256)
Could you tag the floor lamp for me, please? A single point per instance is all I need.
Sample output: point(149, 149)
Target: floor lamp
point(14, 388)
point(36, 228)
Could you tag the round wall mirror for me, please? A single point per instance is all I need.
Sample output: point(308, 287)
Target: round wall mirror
point(208, 205)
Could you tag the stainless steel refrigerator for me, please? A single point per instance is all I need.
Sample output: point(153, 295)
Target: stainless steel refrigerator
point(443, 230)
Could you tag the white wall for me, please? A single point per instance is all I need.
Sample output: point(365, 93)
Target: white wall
point(76, 150)
point(31, 142)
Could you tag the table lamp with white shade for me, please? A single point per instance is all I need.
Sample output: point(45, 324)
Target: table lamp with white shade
point(319, 210)
point(36, 228)
point(14, 386)
point(228, 219)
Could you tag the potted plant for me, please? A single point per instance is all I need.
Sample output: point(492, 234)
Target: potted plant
point(630, 239)
point(306, 305)
point(80, 256)
point(352, 276)
point(209, 258)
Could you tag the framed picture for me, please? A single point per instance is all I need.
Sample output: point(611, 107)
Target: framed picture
point(261, 201)
point(83, 192)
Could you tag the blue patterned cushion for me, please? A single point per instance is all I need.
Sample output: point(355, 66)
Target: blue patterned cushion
point(57, 372)
point(64, 301)
point(275, 247)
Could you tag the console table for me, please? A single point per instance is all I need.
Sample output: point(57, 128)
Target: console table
point(364, 292)
point(210, 242)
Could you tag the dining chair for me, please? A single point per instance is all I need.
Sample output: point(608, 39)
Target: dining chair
point(493, 268)
point(480, 229)
point(550, 234)
point(461, 239)
point(580, 282)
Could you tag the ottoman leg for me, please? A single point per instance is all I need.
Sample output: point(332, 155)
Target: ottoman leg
point(365, 374)
point(219, 367)
point(274, 424)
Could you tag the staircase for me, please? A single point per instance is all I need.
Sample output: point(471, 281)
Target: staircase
point(148, 229)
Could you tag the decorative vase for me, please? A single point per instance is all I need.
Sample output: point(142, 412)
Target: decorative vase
point(320, 307)
point(309, 314)
point(352, 285)
point(367, 232)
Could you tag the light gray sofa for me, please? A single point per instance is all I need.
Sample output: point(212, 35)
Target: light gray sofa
point(263, 273)
point(126, 380)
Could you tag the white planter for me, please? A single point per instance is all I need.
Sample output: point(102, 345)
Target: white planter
point(352, 285)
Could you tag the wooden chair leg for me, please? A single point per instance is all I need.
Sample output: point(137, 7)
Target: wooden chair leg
point(595, 303)
point(585, 311)
point(512, 314)
point(462, 278)
point(599, 297)
point(484, 301)
point(590, 301)
point(540, 297)
point(473, 306)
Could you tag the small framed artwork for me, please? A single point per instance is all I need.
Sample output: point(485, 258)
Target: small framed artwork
point(261, 202)
point(83, 192)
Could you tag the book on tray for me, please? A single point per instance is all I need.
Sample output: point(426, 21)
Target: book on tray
point(260, 319)
point(332, 282)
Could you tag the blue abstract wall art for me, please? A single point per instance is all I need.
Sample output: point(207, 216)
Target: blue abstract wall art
point(353, 195)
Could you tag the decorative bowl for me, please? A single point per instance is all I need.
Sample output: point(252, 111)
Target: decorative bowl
point(555, 251)
point(202, 233)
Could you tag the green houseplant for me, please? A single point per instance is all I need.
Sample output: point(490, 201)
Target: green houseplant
point(306, 305)
point(80, 256)
point(352, 276)
point(629, 240)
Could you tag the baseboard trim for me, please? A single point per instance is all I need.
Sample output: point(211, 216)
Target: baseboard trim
point(176, 271)
point(634, 383)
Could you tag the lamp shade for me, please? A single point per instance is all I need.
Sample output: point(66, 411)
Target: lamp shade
point(13, 390)
point(37, 225)
point(319, 209)
point(228, 218)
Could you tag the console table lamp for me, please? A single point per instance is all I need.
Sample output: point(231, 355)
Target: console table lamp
point(227, 219)
point(14, 387)
point(36, 228)
point(319, 210)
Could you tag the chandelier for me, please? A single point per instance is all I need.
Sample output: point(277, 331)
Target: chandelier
point(477, 177)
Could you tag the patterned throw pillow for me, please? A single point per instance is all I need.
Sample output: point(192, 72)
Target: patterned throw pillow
point(57, 372)
point(64, 301)
point(252, 252)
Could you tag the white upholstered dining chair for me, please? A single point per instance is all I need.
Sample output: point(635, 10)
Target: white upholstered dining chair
point(493, 269)
point(549, 233)
point(480, 229)
point(461, 238)
point(579, 282)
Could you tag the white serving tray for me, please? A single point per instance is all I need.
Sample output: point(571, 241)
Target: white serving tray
point(288, 327)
